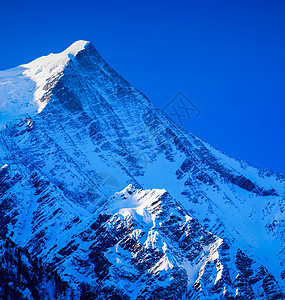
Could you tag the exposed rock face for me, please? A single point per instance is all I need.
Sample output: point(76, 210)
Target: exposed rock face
point(24, 277)
point(216, 231)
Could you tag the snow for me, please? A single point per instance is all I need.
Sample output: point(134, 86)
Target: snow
point(16, 95)
point(135, 204)
point(22, 88)
point(247, 170)
point(232, 212)
point(162, 265)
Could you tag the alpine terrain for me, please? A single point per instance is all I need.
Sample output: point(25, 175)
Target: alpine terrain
point(102, 196)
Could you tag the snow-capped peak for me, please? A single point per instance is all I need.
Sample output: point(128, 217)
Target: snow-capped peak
point(136, 202)
point(58, 58)
point(29, 83)
point(47, 67)
point(218, 231)
point(74, 48)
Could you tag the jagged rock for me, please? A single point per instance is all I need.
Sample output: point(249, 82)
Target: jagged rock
point(73, 133)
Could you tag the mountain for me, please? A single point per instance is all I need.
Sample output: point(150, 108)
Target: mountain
point(100, 186)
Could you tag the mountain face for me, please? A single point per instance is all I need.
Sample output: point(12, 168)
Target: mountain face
point(118, 201)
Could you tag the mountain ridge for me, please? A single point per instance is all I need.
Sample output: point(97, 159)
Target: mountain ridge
point(96, 135)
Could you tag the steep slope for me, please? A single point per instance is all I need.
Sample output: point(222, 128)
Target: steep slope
point(22, 88)
point(22, 277)
point(82, 133)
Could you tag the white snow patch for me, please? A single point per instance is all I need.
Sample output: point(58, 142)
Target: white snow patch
point(136, 203)
point(162, 265)
point(22, 88)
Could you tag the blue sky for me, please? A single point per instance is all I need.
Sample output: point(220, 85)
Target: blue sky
point(227, 57)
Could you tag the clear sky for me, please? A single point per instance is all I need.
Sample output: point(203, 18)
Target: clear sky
point(227, 57)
